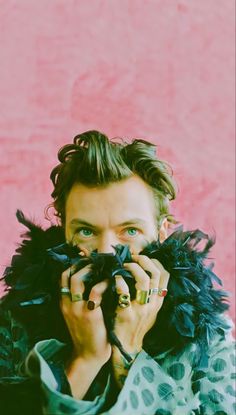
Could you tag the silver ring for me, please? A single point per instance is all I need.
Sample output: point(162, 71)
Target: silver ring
point(153, 291)
point(65, 290)
point(162, 292)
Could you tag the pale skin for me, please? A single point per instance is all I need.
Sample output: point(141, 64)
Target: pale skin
point(99, 218)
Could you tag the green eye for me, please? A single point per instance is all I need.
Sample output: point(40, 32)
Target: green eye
point(132, 231)
point(85, 232)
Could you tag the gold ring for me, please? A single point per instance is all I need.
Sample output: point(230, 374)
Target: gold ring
point(76, 297)
point(124, 300)
point(142, 296)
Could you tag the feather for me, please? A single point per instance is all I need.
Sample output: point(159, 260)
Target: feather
point(191, 311)
point(35, 301)
point(183, 320)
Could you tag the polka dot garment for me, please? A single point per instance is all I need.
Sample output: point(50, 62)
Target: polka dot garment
point(164, 385)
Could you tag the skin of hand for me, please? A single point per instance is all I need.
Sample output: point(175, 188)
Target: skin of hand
point(86, 327)
point(133, 322)
point(97, 218)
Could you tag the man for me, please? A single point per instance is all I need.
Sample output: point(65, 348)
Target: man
point(108, 194)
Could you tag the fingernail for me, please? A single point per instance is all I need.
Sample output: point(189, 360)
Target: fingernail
point(118, 276)
point(81, 253)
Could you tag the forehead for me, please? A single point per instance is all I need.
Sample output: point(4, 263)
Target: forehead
point(114, 203)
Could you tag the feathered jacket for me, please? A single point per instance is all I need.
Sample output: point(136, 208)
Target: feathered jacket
point(191, 313)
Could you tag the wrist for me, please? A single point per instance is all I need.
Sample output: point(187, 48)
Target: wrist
point(119, 360)
point(132, 342)
point(85, 370)
point(121, 366)
point(83, 361)
point(91, 357)
point(133, 351)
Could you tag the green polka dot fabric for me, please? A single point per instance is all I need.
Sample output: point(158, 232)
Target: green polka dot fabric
point(164, 385)
point(13, 346)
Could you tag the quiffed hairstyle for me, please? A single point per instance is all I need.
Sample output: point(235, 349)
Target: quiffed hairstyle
point(94, 160)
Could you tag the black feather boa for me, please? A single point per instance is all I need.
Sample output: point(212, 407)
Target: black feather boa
point(191, 311)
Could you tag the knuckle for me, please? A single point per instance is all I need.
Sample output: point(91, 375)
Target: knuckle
point(144, 258)
point(134, 265)
point(103, 284)
point(158, 272)
point(159, 267)
point(98, 289)
point(167, 275)
point(156, 262)
point(95, 291)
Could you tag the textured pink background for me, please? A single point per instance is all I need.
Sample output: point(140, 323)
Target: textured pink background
point(161, 70)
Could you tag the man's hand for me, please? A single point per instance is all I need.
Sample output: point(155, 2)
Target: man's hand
point(87, 329)
point(133, 322)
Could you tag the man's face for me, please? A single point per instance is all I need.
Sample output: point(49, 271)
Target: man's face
point(120, 213)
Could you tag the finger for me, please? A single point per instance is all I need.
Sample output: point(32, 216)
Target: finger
point(122, 290)
point(164, 274)
point(65, 276)
point(164, 279)
point(141, 277)
point(121, 286)
point(64, 283)
point(149, 266)
point(95, 296)
point(76, 281)
point(83, 251)
point(163, 283)
point(98, 289)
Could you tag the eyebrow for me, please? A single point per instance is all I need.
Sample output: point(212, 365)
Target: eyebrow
point(76, 222)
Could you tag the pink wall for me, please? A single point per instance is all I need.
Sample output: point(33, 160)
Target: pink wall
point(161, 70)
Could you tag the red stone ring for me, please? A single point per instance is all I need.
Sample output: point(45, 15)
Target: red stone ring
point(162, 292)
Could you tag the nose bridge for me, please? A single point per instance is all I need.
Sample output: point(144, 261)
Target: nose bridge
point(106, 242)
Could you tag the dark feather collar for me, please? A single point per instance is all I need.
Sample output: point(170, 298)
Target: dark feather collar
point(191, 312)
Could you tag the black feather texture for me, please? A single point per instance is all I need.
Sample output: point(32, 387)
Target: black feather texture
point(191, 312)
